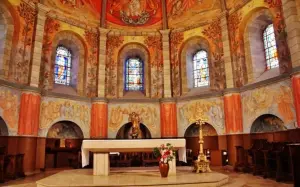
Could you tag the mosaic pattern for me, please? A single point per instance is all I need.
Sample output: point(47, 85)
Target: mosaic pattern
point(63, 66)
point(201, 71)
point(270, 47)
point(134, 75)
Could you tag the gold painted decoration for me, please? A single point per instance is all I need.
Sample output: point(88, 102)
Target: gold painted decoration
point(9, 108)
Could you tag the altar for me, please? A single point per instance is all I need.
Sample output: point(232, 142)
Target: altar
point(102, 148)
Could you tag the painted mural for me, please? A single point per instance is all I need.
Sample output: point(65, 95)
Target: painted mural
point(65, 130)
point(134, 13)
point(185, 13)
point(55, 110)
point(85, 11)
point(118, 116)
point(9, 108)
point(209, 109)
point(193, 130)
point(267, 123)
point(275, 99)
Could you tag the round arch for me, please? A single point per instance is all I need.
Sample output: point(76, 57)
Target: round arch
point(124, 131)
point(267, 123)
point(134, 50)
point(187, 51)
point(65, 130)
point(193, 130)
point(76, 45)
point(3, 127)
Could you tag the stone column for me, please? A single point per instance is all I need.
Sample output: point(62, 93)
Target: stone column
point(168, 118)
point(233, 113)
point(38, 43)
point(99, 118)
point(227, 53)
point(29, 114)
point(167, 65)
point(102, 62)
point(293, 30)
point(296, 93)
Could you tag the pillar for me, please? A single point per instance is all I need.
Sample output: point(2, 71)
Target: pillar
point(233, 113)
point(166, 60)
point(99, 119)
point(38, 44)
point(296, 93)
point(168, 118)
point(227, 53)
point(102, 62)
point(293, 29)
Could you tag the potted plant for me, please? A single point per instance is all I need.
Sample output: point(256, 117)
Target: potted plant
point(164, 154)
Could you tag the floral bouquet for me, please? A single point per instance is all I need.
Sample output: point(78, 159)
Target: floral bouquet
point(164, 153)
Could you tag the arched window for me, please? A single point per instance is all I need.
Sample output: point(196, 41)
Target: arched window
point(134, 74)
point(63, 63)
point(270, 47)
point(201, 70)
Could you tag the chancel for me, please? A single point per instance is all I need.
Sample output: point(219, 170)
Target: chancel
point(149, 93)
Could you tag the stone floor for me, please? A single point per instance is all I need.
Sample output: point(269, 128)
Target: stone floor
point(235, 179)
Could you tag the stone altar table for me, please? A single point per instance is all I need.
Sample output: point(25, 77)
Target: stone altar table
point(102, 148)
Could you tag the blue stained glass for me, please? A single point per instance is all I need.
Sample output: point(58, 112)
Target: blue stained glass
point(270, 47)
point(134, 74)
point(62, 69)
point(201, 69)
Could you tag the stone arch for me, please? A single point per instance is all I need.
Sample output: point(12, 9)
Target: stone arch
point(133, 50)
point(253, 28)
point(188, 49)
point(65, 130)
point(7, 32)
point(3, 127)
point(193, 130)
point(76, 45)
point(124, 131)
point(267, 123)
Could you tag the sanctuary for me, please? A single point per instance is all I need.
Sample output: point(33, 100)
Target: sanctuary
point(93, 88)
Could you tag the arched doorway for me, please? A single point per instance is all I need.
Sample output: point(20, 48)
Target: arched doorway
point(3, 128)
point(63, 145)
point(192, 140)
point(124, 131)
point(267, 123)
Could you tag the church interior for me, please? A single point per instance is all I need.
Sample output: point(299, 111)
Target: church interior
point(75, 71)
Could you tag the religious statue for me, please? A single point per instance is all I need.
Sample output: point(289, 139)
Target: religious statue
point(135, 129)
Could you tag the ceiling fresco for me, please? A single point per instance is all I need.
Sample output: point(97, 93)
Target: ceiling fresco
point(134, 13)
point(183, 13)
point(84, 10)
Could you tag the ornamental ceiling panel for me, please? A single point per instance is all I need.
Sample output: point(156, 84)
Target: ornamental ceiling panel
point(134, 13)
point(86, 11)
point(184, 13)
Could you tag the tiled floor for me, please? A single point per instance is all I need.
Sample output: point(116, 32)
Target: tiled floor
point(235, 180)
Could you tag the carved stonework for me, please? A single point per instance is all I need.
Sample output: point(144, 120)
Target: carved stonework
point(92, 63)
point(113, 43)
point(176, 40)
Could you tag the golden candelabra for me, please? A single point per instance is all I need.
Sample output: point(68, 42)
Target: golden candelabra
point(201, 164)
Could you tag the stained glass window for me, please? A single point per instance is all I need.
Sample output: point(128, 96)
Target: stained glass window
point(270, 47)
point(134, 75)
point(201, 70)
point(62, 69)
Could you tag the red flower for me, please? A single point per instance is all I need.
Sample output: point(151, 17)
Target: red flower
point(168, 152)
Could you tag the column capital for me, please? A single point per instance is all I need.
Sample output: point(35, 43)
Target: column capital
point(42, 9)
point(99, 100)
point(168, 100)
point(31, 90)
point(165, 32)
point(103, 31)
point(231, 91)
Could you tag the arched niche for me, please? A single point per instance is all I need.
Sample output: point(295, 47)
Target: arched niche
point(188, 50)
point(128, 51)
point(267, 123)
point(125, 130)
point(253, 27)
point(75, 43)
point(191, 136)
point(3, 128)
point(65, 130)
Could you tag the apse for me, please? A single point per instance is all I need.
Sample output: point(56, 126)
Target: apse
point(124, 131)
point(267, 123)
point(65, 130)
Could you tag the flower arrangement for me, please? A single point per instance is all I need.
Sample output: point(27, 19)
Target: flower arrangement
point(164, 153)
